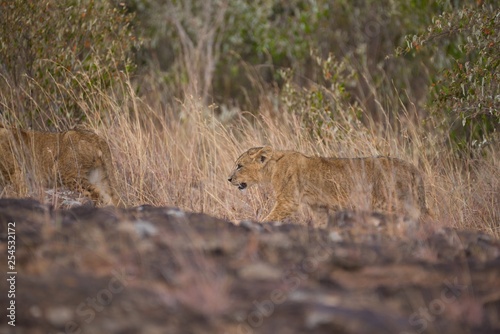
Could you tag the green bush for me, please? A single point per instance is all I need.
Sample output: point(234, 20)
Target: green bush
point(326, 108)
point(465, 95)
point(54, 52)
point(226, 56)
point(237, 59)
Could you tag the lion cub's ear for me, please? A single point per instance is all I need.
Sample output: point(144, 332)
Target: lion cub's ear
point(265, 154)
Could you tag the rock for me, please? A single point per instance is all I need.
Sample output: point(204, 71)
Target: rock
point(163, 270)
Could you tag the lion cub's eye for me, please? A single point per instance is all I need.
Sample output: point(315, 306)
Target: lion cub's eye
point(238, 167)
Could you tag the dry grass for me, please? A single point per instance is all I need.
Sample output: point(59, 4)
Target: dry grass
point(180, 155)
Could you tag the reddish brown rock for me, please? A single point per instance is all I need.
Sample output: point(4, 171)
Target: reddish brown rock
point(161, 270)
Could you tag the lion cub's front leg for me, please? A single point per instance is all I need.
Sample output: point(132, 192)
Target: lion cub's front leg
point(285, 206)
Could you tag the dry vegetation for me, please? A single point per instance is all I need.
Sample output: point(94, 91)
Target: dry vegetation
point(171, 147)
point(165, 159)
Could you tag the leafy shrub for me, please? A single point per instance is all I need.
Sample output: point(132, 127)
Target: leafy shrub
point(237, 58)
point(325, 109)
point(216, 48)
point(465, 95)
point(53, 52)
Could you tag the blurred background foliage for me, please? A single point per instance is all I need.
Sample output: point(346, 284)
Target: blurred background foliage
point(55, 52)
point(374, 62)
point(465, 94)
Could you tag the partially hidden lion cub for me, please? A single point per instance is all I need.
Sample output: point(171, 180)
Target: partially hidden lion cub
point(78, 159)
point(382, 183)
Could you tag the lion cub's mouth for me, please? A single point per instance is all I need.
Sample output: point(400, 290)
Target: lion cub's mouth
point(242, 186)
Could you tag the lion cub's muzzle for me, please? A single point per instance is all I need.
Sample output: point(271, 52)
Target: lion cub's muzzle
point(241, 186)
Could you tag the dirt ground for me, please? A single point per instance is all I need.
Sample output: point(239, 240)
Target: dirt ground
point(161, 270)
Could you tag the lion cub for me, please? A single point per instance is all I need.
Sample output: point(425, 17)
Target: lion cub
point(78, 159)
point(380, 183)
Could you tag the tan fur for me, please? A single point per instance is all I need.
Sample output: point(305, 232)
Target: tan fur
point(78, 159)
point(379, 183)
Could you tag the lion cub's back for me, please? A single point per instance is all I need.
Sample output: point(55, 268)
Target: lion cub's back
point(367, 167)
point(381, 182)
point(396, 184)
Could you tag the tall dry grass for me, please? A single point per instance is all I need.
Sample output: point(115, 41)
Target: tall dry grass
point(180, 154)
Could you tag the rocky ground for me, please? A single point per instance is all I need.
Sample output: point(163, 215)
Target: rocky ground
point(161, 270)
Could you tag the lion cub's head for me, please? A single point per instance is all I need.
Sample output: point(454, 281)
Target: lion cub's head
point(248, 167)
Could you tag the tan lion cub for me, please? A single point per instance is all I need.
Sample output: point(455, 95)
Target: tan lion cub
point(387, 184)
point(78, 159)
